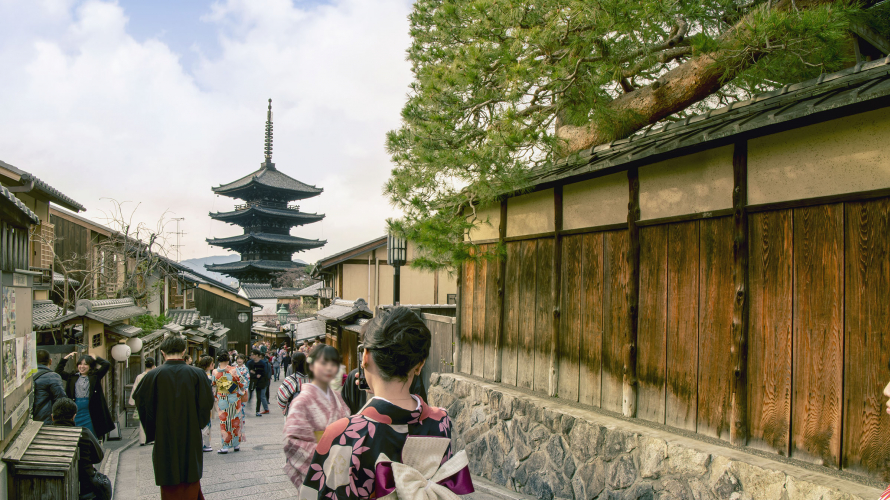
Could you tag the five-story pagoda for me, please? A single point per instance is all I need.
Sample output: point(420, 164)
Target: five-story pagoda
point(267, 216)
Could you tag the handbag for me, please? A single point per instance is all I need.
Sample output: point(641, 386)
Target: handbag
point(101, 486)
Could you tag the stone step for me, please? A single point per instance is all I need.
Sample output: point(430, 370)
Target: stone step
point(487, 490)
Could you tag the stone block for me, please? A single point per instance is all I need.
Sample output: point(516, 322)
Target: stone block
point(642, 490)
point(568, 469)
point(700, 491)
point(759, 483)
point(535, 462)
point(684, 460)
point(444, 399)
point(616, 442)
point(804, 490)
point(568, 422)
point(589, 480)
point(621, 472)
point(556, 451)
point(653, 454)
point(434, 378)
point(674, 489)
point(584, 440)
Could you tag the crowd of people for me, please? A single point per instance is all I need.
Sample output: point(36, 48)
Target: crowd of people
point(340, 431)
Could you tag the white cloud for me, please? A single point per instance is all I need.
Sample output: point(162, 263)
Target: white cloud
point(96, 113)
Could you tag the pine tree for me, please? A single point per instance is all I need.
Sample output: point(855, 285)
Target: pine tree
point(502, 87)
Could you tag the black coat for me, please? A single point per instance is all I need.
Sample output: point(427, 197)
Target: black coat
point(174, 403)
point(99, 413)
point(48, 388)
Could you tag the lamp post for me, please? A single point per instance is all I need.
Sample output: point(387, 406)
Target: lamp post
point(282, 314)
point(326, 293)
point(396, 256)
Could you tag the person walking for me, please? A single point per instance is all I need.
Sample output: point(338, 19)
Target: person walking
point(149, 366)
point(262, 371)
point(206, 364)
point(311, 412)
point(293, 383)
point(230, 392)
point(91, 481)
point(394, 423)
point(48, 389)
point(244, 373)
point(85, 387)
point(174, 403)
point(285, 362)
point(276, 364)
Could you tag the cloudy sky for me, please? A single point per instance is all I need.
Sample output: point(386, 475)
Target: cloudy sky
point(157, 101)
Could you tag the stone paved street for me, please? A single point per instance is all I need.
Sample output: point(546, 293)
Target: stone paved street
point(254, 472)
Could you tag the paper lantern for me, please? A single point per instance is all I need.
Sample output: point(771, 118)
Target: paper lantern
point(135, 344)
point(120, 352)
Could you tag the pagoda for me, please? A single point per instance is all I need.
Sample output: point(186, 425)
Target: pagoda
point(267, 216)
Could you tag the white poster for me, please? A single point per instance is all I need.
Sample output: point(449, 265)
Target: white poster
point(8, 314)
point(24, 366)
point(9, 365)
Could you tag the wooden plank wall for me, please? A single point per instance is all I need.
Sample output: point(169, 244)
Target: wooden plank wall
point(818, 280)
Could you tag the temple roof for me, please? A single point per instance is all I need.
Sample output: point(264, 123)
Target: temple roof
point(294, 216)
point(275, 266)
point(284, 240)
point(268, 177)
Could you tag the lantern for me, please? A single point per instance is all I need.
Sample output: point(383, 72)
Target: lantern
point(282, 314)
point(326, 292)
point(120, 352)
point(396, 256)
point(135, 344)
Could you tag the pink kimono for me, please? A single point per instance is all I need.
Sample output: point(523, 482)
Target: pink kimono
point(309, 414)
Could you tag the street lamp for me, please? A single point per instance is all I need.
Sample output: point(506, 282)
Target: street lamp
point(326, 293)
point(396, 256)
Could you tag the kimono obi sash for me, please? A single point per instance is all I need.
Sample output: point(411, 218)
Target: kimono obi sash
point(423, 475)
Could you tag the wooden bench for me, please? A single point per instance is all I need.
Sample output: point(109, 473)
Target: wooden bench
point(43, 463)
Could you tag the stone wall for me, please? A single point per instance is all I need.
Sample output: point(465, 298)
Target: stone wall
point(548, 449)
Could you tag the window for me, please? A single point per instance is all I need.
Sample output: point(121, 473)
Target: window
point(451, 299)
point(242, 317)
point(97, 340)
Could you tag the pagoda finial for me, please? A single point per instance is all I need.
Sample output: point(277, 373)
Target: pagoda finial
point(268, 147)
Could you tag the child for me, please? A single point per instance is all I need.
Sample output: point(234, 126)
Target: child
point(315, 408)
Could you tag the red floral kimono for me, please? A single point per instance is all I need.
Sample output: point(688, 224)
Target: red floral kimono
point(307, 417)
point(361, 456)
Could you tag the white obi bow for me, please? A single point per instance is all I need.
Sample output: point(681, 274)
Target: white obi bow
point(421, 470)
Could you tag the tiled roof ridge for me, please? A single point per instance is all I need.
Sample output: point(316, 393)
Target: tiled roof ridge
point(18, 204)
point(27, 177)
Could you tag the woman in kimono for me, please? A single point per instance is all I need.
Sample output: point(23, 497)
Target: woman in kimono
point(244, 373)
point(314, 409)
point(229, 390)
point(396, 441)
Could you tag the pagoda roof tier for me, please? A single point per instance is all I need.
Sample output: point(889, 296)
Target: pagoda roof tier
point(281, 240)
point(295, 217)
point(254, 266)
point(267, 179)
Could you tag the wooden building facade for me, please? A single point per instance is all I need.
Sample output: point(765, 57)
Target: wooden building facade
point(726, 275)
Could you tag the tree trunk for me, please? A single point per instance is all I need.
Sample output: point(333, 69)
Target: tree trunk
point(675, 91)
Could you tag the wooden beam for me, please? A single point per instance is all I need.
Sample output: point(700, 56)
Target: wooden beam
point(738, 433)
point(556, 290)
point(502, 280)
point(629, 401)
point(457, 355)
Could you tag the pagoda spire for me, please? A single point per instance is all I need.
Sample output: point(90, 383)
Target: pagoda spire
point(268, 148)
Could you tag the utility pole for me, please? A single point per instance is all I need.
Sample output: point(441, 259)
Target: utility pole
point(178, 234)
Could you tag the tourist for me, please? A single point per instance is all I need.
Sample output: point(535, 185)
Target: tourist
point(263, 348)
point(262, 374)
point(396, 344)
point(85, 387)
point(206, 364)
point(149, 366)
point(305, 347)
point(188, 359)
point(252, 386)
point(90, 452)
point(48, 389)
point(285, 362)
point(230, 393)
point(174, 403)
point(311, 412)
point(276, 365)
point(244, 373)
point(293, 383)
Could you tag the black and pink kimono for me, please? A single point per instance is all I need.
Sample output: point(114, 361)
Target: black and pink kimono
point(361, 456)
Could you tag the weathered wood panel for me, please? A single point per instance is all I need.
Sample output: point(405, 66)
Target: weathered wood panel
point(569, 347)
point(818, 334)
point(615, 304)
point(543, 335)
point(525, 368)
point(652, 334)
point(511, 314)
point(590, 378)
point(479, 323)
point(492, 317)
point(769, 354)
point(715, 328)
point(682, 325)
point(467, 310)
point(867, 338)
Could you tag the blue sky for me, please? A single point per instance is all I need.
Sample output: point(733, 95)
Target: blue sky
point(154, 102)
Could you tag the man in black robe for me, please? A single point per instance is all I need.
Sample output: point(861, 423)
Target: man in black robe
point(174, 403)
